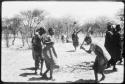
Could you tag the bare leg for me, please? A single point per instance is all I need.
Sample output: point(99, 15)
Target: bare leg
point(51, 72)
point(75, 48)
point(48, 68)
point(36, 64)
point(114, 68)
point(41, 66)
point(103, 76)
point(96, 76)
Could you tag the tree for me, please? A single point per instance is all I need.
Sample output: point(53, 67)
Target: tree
point(102, 21)
point(98, 25)
point(6, 24)
point(30, 20)
point(15, 23)
point(120, 14)
point(69, 26)
point(120, 17)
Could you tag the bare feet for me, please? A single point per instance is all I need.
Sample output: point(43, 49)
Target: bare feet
point(51, 78)
point(44, 76)
point(102, 78)
point(35, 72)
point(114, 69)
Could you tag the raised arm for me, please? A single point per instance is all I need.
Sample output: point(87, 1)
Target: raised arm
point(88, 51)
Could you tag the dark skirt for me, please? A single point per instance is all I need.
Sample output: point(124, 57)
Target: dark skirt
point(75, 44)
point(100, 64)
point(49, 54)
point(36, 53)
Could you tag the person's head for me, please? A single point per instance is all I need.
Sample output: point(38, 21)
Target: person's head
point(74, 31)
point(41, 31)
point(118, 28)
point(109, 27)
point(51, 31)
point(113, 30)
point(88, 40)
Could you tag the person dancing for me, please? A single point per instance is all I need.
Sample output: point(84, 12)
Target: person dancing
point(100, 61)
point(49, 53)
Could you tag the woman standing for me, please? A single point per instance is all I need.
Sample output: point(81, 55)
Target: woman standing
point(116, 46)
point(109, 43)
point(37, 48)
point(49, 53)
point(75, 39)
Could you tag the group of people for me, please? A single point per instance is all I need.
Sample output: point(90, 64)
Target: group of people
point(43, 50)
point(113, 45)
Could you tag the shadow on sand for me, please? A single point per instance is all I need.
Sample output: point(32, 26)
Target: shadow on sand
point(37, 79)
point(82, 81)
point(26, 74)
point(108, 71)
point(31, 68)
point(71, 51)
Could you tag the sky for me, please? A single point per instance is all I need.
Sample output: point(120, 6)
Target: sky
point(77, 9)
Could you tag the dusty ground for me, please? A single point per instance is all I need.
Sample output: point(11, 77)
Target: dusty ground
point(17, 66)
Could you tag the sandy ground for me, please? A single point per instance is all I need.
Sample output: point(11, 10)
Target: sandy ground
point(18, 66)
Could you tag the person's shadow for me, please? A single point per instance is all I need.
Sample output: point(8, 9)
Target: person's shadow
point(37, 79)
point(71, 51)
point(26, 74)
point(82, 81)
point(108, 71)
point(31, 68)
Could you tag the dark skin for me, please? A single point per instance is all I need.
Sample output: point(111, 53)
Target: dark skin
point(49, 67)
point(38, 58)
point(95, 72)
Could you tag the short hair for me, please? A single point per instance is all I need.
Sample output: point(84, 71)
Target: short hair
point(88, 38)
point(118, 28)
point(50, 31)
point(109, 27)
point(41, 31)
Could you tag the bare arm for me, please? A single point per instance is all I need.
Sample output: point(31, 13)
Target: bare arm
point(88, 51)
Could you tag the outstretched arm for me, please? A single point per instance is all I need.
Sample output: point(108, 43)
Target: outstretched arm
point(88, 51)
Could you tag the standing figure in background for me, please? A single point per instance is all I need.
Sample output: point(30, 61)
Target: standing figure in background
point(122, 39)
point(62, 38)
point(49, 53)
point(88, 37)
point(116, 46)
point(75, 39)
point(100, 61)
point(109, 43)
point(37, 48)
point(119, 43)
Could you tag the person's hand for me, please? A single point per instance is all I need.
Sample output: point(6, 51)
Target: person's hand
point(52, 43)
point(80, 47)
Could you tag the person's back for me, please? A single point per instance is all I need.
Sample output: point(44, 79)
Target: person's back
point(108, 40)
point(117, 44)
point(36, 43)
point(37, 48)
point(100, 60)
point(98, 52)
